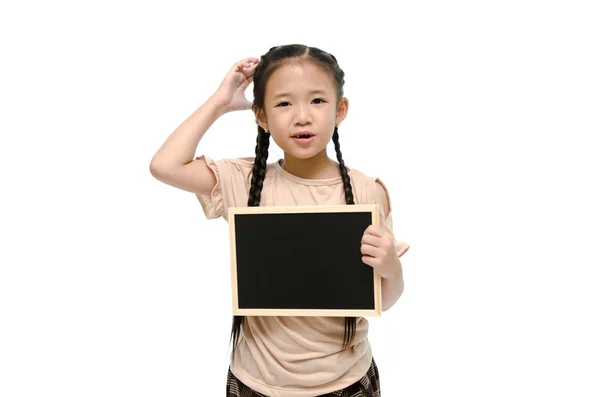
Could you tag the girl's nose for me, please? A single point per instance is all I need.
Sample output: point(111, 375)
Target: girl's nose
point(302, 115)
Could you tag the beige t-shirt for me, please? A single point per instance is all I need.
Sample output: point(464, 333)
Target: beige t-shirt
point(294, 356)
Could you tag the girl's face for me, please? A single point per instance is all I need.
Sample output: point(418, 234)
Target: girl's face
point(301, 98)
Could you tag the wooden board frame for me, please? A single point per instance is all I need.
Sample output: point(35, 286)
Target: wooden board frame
point(233, 211)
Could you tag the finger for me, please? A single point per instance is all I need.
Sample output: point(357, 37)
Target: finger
point(239, 66)
point(369, 250)
point(235, 67)
point(249, 78)
point(250, 60)
point(371, 240)
point(367, 260)
point(247, 62)
point(374, 231)
point(249, 70)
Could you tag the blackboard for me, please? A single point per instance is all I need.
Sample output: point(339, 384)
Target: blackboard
point(302, 261)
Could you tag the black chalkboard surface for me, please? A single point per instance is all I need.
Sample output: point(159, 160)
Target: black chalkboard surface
point(302, 261)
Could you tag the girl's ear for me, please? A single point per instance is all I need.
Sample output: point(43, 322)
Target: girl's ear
point(342, 110)
point(261, 119)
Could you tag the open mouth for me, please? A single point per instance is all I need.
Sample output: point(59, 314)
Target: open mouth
point(303, 136)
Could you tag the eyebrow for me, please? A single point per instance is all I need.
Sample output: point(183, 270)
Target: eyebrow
point(283, 94)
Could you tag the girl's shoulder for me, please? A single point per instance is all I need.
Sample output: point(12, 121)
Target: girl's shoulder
point(374, 189)
point(363, 177)
point(246, 162)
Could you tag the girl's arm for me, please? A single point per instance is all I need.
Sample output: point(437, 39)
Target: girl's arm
point(392, 286)
point(174, 162)
point(391, 290)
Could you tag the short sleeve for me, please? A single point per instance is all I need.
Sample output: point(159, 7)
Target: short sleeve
point(378, 200)
point(385, 222)
point(231, 187)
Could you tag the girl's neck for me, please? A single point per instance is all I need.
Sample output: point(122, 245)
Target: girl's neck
point(317, 167)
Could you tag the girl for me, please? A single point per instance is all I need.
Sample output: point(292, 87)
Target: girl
point(299, 102)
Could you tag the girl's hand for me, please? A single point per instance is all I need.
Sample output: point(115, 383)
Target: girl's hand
point(380, 251)
point(230, 93)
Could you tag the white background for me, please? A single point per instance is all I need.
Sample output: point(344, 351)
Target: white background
point(481, 117)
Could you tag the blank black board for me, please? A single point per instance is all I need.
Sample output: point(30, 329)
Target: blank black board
point(302, 261)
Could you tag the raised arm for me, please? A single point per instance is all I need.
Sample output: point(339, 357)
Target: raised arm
point(174, 162)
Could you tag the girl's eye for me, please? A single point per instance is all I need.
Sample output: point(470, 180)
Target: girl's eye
point(287, 103)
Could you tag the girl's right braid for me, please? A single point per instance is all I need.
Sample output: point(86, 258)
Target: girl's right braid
point(260, 167)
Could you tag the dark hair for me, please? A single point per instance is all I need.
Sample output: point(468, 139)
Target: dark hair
point(270, 62)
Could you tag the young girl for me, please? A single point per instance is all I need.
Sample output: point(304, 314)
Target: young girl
point(299, 102)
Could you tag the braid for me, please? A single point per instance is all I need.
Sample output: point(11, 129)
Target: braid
point(343, 169)
point(260, 167)
point(350, 322)
point(258, 176)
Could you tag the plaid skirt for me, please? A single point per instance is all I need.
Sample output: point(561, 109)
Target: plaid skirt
point(367, 386)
